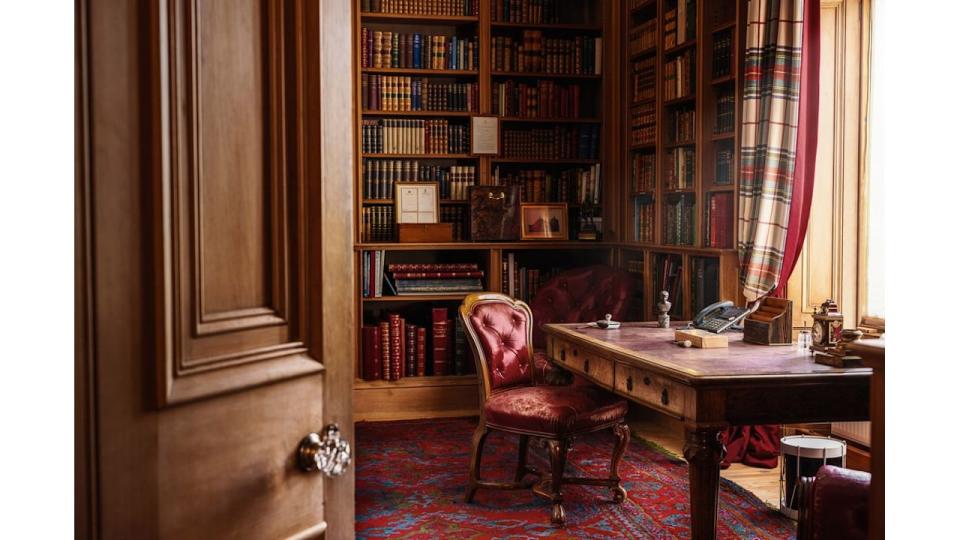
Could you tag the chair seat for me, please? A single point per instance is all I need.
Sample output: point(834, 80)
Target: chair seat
point(553, 410)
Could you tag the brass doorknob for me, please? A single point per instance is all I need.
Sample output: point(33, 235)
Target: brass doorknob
point(328, 453)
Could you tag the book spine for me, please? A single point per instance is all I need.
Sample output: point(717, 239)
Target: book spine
point(421, 367)
point(385, 350)
point(410, 366)
point(371, 353)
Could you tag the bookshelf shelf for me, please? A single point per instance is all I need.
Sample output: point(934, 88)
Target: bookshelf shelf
point(546, 161)
point(530, 245)
point(417, 19)
point(724, 26)
point(539, 75)
point(414, 71)
point(680, 48)
point(642, 53)
point(723, 80)
point(442, 114)
point(719, 188)
point(682, 100)
point(546, 26)
point(419, 298)
point(640, 8)
point(722, 136)
point(642, 147)
point(679, 144)
point(419, 156)
point(523, 119)
point(419, 382)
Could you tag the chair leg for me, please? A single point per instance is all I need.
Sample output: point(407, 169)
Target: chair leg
point(622, 431)
point(558, 460)
point(479, 436)
point(522, 459)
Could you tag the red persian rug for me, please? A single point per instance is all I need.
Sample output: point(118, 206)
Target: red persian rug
point(411, 477)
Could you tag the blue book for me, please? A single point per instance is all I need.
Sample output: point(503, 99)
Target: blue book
point(416, 51)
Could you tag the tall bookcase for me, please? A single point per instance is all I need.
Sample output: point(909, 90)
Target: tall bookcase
point(514, 90)
point(681, 79)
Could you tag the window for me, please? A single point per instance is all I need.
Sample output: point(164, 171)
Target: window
point(874, 180)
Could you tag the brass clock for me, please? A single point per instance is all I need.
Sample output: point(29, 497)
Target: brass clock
point(827, 326)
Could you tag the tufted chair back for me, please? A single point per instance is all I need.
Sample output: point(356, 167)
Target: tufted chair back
point(581, 295)
point(499, 331)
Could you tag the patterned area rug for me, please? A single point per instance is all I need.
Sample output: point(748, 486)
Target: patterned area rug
point(411, 478)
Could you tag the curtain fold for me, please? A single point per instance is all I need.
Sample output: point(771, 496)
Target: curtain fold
point(778, 155)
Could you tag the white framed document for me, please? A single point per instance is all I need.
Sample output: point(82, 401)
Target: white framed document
point(485, 135)
point(417, 202)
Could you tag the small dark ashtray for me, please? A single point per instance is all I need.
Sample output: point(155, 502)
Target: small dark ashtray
point(608, 323)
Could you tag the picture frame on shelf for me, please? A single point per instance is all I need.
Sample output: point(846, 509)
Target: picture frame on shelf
point(543, 221)
point(485, 135)
point(417, 202)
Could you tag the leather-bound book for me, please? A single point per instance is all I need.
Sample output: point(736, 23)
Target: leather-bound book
point(371, 353)
point(421, 368)
point(385, 350)
point(410, 352)
point(441, 342)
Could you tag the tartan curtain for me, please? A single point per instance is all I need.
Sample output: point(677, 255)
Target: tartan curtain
point(768, 154)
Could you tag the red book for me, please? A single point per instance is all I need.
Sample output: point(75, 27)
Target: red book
point(371, 353)
point(441, 342)
point(714, 233)
point(438, 275)
point(410, 354)
point(396, 346)
point(421, 352)
point(385, 350)
point(432, 267)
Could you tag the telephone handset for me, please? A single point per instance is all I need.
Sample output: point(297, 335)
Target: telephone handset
point(720, 316)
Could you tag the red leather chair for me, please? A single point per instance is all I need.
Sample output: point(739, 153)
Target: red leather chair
point(834, 505)
point(499, 330)
point(581, 295)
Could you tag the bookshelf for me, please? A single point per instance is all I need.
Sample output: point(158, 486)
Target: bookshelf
point(681, 83)
point(615, 98)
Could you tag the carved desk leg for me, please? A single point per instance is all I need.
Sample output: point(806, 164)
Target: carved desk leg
point(704, 452)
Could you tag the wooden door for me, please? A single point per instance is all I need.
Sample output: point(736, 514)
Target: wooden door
point(214, 271)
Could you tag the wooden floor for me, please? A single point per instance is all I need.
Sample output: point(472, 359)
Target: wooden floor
point(668, 433)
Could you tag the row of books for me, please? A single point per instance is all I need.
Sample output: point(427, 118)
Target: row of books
point(643, 218)
point(371, 274)
point(397, 93)
point(726, 113)
point(643, 172)
point(679, 77)
point(436, 278)
point(643, 123)
point(557, 142)
point(396, 348)
point(422, 7)
point(577, 185)
point(705, 285)
point(634, 266)
point(409, 136)
point(580, 55)
point(678, 221)
point(722, 54)
point(379, 177)
point(682, 125)
point(644, 77)
point(719, 233)
point(642, 37)
point(523, 282)
point(668, 276)
point(540, 99)
point(679, 168)
point(458, 216)
point(525, 11)
point(723, 163)
point(680, 23)
point(377, 224)
point(386, 49)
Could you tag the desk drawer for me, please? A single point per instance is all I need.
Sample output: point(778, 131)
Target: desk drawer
point(650, 389)
point(598, 369)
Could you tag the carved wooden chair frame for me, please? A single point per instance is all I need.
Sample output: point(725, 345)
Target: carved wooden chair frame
point(548, 487)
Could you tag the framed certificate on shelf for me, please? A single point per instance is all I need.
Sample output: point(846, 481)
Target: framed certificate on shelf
point(485, 135)
point(417, 202)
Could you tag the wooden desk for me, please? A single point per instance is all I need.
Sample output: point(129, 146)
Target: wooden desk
point(710, 389)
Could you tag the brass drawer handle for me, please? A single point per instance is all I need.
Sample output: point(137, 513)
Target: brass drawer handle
point(575, 352)
point(586, 365)
point(646, 381)
point(665, 397)
point(629, 384)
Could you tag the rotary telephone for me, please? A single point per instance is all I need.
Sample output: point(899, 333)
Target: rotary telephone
point(720, 316)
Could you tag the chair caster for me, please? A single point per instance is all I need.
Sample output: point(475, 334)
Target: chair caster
point(557, 517)
point(619, 494)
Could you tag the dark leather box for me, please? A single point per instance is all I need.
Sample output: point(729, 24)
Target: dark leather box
point(494, 213)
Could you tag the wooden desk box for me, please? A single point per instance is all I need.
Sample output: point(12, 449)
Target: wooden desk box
point(425, 232)
point(771, 324)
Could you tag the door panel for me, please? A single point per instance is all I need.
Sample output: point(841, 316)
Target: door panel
point(214, 233)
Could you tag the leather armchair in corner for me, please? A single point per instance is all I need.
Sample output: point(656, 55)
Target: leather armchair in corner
point(581, 295)
point(834, 505)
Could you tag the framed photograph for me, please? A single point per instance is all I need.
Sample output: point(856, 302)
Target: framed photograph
point(485, 135)
point(417, 202)
point(543, 221)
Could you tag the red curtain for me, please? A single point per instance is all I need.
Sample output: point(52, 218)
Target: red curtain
point(759, 446)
